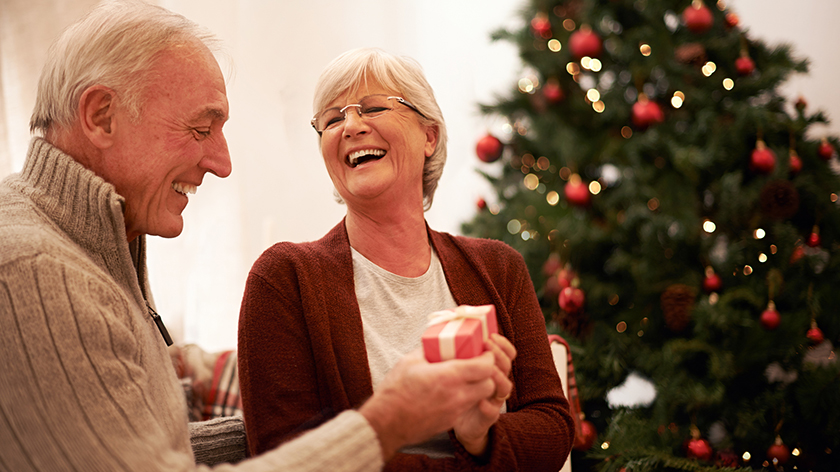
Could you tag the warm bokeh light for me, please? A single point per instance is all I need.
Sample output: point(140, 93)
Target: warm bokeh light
point(584, 61)
point(621, 327)
point(569, 24)
point(759, 233)
point(565, 173)
point(595, 65)
point(554, 45)
point(762, 258)
point(728, 83)
point(653, 204)
point(552, 198)
point(748, 270)
point(514, 226)
point(709, 226)
point(531, 181)
point(572, 68)
point(594, 187)
point(543, 163)
point(526, 85)
point(593, 95)
point(626, 132)
point(676, 101)
point(644, 49)
point(599, 106)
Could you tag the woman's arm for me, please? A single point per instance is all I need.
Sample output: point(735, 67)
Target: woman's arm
point(278, 380)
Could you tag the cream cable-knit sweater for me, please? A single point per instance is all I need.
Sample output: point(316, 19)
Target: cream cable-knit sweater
point(86, 382)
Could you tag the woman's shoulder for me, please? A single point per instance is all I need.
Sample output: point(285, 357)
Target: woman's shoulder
point(481, 247)
point(329, 251)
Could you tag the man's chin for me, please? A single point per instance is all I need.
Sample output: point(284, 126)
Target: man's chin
point(169, 231)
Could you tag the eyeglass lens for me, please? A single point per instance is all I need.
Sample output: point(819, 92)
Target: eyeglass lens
point(371, 106)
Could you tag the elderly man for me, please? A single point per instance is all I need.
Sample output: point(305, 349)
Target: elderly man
point(131, 105)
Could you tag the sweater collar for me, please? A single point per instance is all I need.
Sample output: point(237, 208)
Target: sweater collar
point(82, 204)
point(88, 210)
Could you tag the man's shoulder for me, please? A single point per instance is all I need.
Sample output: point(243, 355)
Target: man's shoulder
point(25, 232)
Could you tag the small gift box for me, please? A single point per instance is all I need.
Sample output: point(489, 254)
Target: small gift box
point(458, 333)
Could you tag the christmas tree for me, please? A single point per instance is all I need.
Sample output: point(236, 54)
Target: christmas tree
point(680, 226)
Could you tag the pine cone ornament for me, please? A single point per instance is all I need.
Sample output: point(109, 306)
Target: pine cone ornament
point(576, 324)
point(676, 302)
point(779, 200)
point(691, 53)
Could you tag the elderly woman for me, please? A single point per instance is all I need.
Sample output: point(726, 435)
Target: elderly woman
point(322, 322)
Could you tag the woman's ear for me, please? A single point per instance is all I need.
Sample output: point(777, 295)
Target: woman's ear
point(96, 115)
point(431, 139)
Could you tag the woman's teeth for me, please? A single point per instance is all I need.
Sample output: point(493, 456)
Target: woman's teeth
point(184, 189)
point(355, 157)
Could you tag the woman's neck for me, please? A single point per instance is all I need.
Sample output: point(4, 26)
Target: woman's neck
point(396, 242)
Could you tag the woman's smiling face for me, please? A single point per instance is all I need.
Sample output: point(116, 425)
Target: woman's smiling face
point(370, 159)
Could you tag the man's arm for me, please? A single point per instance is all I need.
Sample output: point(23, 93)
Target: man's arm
point(417, 399)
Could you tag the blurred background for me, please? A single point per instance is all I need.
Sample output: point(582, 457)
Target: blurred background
point(273, 54)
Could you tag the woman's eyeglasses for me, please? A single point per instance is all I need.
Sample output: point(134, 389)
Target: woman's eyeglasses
point(368, 108)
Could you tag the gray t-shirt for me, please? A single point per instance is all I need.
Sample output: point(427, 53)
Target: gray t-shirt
point(395, 311)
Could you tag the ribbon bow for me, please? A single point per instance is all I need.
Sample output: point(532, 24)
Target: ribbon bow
point(463, 312)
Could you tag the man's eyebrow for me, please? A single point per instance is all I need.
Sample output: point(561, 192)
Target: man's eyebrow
point(213, 114)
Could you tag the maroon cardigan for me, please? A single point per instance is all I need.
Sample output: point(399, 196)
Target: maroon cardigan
point(302, 355)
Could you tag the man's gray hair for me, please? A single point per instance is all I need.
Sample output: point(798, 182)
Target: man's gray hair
point(404, 76)
point(114, 45)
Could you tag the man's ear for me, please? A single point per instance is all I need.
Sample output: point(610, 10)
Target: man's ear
point(96, 115)
point(431, 140)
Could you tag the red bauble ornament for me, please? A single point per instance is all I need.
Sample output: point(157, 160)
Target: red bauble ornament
point(586, 438)
point(763, 159)
point(814, 237)
point(489, 148)
point(778, 451)
point(731, 20)
point(744, 65)
point(801, 103)
point(481, 204)
point(698, 448)
point(571, 300)
point(795, 163)
point(565, 277)
point(826, 150)
point(552, 264)
point(552, 92)
point(577, 192)
point(712, 282)
point(697, 17)
point(646, 112)
point(797, 253)
point(540, 26)
point(770, 318)
point(815, 334)
point(552, 287)
point(585, 42)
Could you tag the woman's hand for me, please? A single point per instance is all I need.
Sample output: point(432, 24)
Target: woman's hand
point(472, 428)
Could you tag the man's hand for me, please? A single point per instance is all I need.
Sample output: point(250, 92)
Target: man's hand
point(473, 427)
point(418, 399)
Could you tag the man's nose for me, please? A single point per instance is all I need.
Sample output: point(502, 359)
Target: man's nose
point(217, 158)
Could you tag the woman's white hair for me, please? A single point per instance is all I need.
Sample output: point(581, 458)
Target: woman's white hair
point(114, 45)
point(403, 75)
